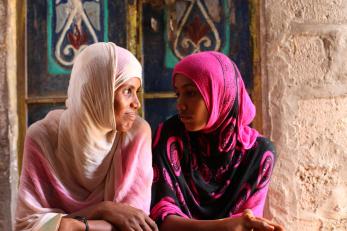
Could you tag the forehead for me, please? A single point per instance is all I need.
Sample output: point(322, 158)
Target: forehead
point(181, 81)
point(132, 82)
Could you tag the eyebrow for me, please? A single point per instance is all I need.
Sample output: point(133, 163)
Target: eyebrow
point(130, 86)
point(186, 85)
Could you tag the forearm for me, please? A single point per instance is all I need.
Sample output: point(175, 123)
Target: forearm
point(71, 224)
point(246, 222)
point(100, 225)
point(95, 215)
point(94, 212)
point(173, 222)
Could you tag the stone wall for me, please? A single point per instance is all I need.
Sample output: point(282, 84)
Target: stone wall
point(5, 193)
point(304, 77)
point(8, 114)
point(304, 65)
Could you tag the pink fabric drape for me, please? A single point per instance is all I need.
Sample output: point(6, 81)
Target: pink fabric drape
point(224, 168)
point(75, 158)
point(219, 93)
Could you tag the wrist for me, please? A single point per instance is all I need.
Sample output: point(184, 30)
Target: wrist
point(210, 225)
point(83, 220)
point(103, 210)
point(71, 224)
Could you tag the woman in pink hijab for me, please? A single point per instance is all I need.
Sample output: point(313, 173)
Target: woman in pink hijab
point(211, 170)
point(89, 167)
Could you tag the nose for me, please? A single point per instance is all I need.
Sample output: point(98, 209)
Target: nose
point(135, 102)
point(180, 105)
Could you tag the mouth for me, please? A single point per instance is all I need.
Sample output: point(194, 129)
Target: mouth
point(186, 118)
point(131, 115)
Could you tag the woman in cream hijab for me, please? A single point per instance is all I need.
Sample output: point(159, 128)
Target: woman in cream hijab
point(89, 167)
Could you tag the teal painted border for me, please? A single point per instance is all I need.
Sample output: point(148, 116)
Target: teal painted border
point(226, 48)
point(105, 20)
point(53, 67)
point(171, 59)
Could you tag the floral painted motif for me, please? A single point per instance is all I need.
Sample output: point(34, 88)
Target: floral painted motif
point(77, 38)
point(72, 25)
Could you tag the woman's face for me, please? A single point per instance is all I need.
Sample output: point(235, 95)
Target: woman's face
point(126, 104)
point(190, 104)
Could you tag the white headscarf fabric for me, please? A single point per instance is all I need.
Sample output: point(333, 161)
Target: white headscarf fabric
point(75, 158)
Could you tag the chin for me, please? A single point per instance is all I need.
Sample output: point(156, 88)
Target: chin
point(125, 128)
point(192, 129)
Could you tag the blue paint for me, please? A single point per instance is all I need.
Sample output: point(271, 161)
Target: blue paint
point(54, 67)
point(223, 26)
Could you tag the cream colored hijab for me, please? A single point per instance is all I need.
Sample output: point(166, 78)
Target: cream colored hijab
point(74, 158)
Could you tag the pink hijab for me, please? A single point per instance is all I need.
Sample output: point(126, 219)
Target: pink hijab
point(75, 158)
point(209, 70)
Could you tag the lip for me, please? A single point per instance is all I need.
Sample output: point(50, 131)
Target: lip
point(131, 115)
point(185, 118)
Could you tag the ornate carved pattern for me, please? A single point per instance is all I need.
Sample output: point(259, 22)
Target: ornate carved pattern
point(70, 17)
point(71, 26)
point(196, 31)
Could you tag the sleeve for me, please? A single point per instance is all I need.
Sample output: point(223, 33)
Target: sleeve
point(33, 211)
point(139, 194)
point(262, 175)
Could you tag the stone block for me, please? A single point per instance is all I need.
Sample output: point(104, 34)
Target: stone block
point(321, 127)
point(318, 11)
point(316, 60)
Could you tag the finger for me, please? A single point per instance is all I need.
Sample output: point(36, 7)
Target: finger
point(258, 224)
point(276, 226)
point(279, 228)
point(145, 226)
point(248, 213)
point(136, 227)
point(151, 223)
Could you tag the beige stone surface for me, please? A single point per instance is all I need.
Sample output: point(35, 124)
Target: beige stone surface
point(322, 134)
point(318, 11)
point(305, 97)
point(5, 192)
point(8, 114)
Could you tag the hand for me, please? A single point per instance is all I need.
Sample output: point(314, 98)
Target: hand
point(125, 217)
point(248, 222)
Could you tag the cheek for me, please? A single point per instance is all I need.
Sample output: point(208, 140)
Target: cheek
point(202, 112)
point(119, 106)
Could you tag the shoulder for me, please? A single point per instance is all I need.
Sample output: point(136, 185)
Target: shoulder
point(262, 148)
point(41, 137)
point(264, 151)
point(140, 127)
point(45, 128)
point(264, 144)
point(172, 126)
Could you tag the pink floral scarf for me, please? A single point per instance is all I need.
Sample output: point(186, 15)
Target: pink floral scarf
point(223, 169)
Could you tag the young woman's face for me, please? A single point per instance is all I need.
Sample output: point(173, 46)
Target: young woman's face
point(190, 104)
point(126, 104)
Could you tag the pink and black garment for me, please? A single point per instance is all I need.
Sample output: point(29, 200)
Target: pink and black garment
point(225, 168)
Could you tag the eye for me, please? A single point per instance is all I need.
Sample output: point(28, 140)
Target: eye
point(127, 91)
point(190, 93)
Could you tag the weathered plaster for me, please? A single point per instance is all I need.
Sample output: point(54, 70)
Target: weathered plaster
point(8, 114)
point(305, 93)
